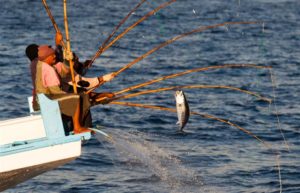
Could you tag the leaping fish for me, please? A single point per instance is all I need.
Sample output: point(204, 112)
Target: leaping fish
point(182, 107)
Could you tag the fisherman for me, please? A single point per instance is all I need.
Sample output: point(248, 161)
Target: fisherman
point(47, 82)
point(65, 74)
point(32, 53)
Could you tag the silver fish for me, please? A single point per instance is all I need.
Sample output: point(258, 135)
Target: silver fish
point(182, 107)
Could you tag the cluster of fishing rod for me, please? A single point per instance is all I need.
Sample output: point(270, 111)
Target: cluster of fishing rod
point(119, 94)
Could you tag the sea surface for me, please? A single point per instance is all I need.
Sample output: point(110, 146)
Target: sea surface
point(148, 154)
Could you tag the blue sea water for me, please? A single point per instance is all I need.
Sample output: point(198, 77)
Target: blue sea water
point(149, 155)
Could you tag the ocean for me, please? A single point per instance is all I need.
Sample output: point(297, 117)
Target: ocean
point(148, 154)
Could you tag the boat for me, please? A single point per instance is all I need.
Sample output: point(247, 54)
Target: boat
point(34, 144)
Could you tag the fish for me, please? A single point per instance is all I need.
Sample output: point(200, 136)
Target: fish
point(182, 108)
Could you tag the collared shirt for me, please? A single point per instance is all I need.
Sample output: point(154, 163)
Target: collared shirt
point(47, 80)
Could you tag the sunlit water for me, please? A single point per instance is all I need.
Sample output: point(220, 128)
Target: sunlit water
point(149, 155)
point(164, 165)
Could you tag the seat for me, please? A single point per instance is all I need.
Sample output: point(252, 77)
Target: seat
point(51, 116)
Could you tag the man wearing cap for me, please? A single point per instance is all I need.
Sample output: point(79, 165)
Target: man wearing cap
point(64, 74)
point(47, 81)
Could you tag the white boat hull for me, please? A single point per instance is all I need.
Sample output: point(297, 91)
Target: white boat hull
point(39, 156)
point(35, 144)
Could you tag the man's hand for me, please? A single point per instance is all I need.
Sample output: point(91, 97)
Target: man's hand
point(108, 77)
point(58, 38)
point(87, 63)
point(101, 98)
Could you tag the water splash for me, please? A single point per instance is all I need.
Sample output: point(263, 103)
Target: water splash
point(163, 163)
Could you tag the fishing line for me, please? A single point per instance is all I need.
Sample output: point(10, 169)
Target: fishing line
point(276, 110)
point(273, 81)
point(104, 46)
point(188, 72)
point(200, 29)
point(183, 73)
point(279, 172)
point(169, 41)
point(267, 145)
point(190, 87)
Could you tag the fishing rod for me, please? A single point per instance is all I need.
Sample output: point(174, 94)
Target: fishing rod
point(188, 87)
point(68, 55)
point(191, 71)
point(53, 21)
point(101, 48)
point(184, 73)
point(100, 51)
point(169, 41)
point(200, 29)
point(267, 145)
